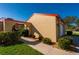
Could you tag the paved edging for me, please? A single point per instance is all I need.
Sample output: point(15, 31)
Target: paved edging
point(48, 50)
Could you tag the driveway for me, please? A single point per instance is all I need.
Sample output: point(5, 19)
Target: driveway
point(45, 49)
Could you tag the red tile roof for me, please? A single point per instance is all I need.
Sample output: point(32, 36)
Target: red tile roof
point(9, 19)
point(48, 14)
point(51, 14)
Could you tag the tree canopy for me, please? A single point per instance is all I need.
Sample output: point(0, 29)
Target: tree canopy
point(70, 19)
point(77, 22)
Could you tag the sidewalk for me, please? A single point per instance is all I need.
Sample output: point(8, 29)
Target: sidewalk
point(47, 49)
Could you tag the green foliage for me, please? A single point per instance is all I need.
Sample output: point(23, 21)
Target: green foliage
point(70, 26)
point(70, 22)
point(40, 38)
point(69, 19)
point(47, 41)
point(25, 33)
point(20, 31)
point(77, 22)
point(8, 38)
point(64, 42)
point(18, 49)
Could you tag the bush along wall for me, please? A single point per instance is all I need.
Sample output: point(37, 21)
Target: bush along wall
point(64, 43)
point(47, 41)
point(8, 38)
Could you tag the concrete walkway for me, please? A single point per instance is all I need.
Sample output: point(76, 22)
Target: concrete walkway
point(46, 49)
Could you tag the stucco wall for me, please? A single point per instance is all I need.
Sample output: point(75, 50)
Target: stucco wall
point(8, 25)
point(46, 25)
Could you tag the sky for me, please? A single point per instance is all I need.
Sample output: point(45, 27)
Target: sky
point(23, 11)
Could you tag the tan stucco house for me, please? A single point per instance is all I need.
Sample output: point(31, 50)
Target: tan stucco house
point(6, 24)
point(46, 25)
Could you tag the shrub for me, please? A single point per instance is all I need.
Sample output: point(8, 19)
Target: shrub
point(2, 37)
point(40, 38)
point(13, 36)
point(69, 32)
point(25, 33)
point(47, 41)
point(9, 38)
point(20, 32)
point(64, 42)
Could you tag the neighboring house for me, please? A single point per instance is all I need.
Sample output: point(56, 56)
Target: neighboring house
point(6, 24)
point(76, 28)
point(46, 25)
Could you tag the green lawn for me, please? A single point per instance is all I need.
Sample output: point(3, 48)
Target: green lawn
point(18, 49)
point(75, 32)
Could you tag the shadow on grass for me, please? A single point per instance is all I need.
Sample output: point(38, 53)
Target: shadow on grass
point(15, 43)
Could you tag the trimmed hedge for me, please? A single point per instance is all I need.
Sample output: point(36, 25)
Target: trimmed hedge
point(64, 43)
point(47, 41)
point(9, 38)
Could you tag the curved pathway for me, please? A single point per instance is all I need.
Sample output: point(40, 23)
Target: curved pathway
point(46, 49)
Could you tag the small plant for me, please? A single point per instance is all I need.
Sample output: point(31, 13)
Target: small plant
point(64, 43)
point(40, 38)
point(47, 41)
